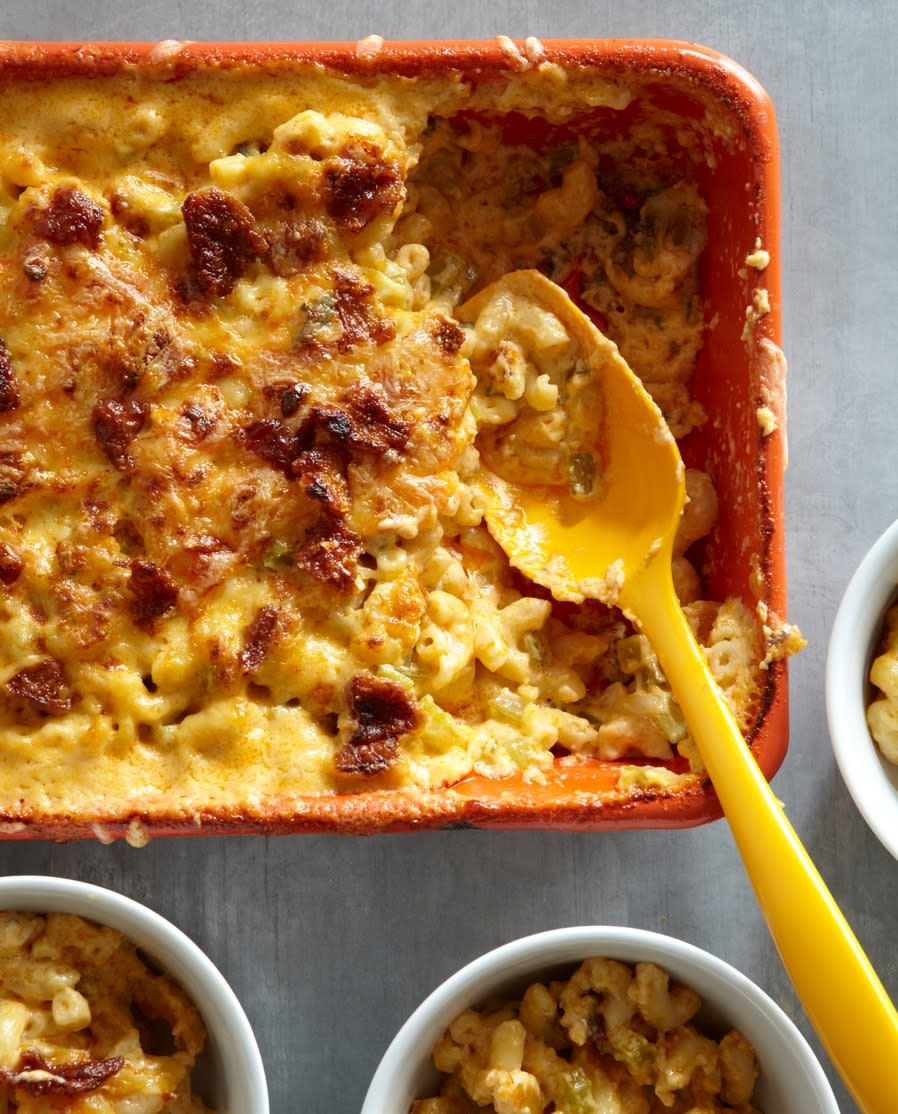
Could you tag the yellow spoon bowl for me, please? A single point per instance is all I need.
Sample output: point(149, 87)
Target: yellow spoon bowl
point(618, 548)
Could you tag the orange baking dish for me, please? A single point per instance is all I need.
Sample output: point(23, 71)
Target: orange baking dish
point(740, 372)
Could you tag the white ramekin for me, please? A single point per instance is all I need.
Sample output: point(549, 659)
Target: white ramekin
point(231, 1076)
point(791, 1078)
point(871, 780)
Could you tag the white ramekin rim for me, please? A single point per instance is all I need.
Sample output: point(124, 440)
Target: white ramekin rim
point(236, 1051)
point(871, 781)
point(749, 1008)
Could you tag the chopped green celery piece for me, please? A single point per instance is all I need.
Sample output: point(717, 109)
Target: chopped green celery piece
point(535, 645)
point(523, 752)
point(583, 475)
point(447, 268)
point(319, 314)
point(574, 1094)
point(632, 652)
point(670, 722)
point(280, 552)
point(440, 731)
point(507, 706)
point(636, 656)
point(397, 676)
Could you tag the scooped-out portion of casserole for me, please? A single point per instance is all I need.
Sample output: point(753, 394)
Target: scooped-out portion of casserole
point(241, 559)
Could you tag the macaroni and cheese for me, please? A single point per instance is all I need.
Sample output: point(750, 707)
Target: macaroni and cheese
point(241, 557)
point(882, 713)
point(613, 1037)
point(86, 1027)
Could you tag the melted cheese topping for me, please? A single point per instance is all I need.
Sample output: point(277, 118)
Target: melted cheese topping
point(239, 556)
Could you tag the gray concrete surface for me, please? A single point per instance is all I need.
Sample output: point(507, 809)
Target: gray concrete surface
point(331, 942)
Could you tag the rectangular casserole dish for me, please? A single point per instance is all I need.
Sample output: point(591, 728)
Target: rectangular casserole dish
point(692, 105)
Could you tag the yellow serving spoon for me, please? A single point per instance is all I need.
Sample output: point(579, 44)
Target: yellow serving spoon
point(618, 548)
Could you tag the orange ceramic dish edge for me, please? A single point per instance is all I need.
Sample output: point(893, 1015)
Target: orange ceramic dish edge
point(735, 378)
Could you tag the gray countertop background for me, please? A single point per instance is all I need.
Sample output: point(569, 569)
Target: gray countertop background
point(331, 942)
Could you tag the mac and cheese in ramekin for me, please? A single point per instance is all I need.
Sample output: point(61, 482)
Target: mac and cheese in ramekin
point(613, 1036)
point(86, 1027)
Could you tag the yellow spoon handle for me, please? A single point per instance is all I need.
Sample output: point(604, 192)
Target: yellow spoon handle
point(835, 981)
